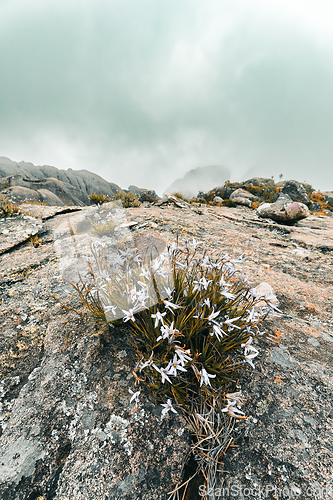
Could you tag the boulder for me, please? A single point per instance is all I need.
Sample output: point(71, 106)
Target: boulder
point(217, 199)
point(284, 210)
point(242, 193)
point(239, 200)
point(242, 197)
point(295, 190)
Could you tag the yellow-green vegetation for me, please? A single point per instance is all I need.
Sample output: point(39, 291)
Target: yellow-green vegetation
point(33, 202)
point(35, 241)
point(264, 192)
point(318, 197)
point(181, 197)
point(104, 228)
point(128, 199)
point(98, 199)
point(8, 208)
point(194, 323)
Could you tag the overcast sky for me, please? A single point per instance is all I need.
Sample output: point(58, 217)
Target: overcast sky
point(141, 91)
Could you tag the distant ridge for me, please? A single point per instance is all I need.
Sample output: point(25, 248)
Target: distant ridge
point(50, 184)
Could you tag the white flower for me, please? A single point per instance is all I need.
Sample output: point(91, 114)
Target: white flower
point(232, 410)
point(168, 332)
point(165, 372)
point(183, 355)
point(253, 316)
point(213, 315)
point(248, 358)
point(205, 376)
point(169, 305)
point(168, 406)
point(149, 362)
point(169, 291)
point(207, 302)
point(129, 315)
point(135, 396)
point(174, 366)
point(228, 295)
point(158, 317)
point(248, 346)
point(229, 323)
point(217, 331)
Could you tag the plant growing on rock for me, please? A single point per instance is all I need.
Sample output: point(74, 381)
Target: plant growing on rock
point(194, 323)
point(8, 208)
point(98, 199)
point(128, 199)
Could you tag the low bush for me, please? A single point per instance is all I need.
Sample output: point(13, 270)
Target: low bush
point(128, 199)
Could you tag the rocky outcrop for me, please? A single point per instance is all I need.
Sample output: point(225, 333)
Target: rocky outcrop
point(68, 429)
point(71, 187)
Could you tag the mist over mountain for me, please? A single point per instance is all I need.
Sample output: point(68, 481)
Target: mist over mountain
point(200, 179)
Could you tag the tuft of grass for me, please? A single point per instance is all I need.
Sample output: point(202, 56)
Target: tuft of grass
point(35, 241)
point(8, 208)
point(194, 323)
point(181, 197)
point(98, 199)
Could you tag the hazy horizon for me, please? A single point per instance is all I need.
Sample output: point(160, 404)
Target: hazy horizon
point(140, 92)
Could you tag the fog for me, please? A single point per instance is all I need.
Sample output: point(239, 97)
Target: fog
point(141, 91)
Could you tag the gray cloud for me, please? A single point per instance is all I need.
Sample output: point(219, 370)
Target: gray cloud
point(141, 91)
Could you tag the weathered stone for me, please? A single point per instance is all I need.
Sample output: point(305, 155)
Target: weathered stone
point(242, 193)
point(296, 191)
point(240, 200)
point(284, 210)
point(217, 199)
point(314, 206)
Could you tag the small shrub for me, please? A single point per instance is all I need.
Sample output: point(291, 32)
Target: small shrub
point(193, 321)
point(128, 199)
point(8, 208)
point(35, 241)
point(228, 203)
point(98, 199)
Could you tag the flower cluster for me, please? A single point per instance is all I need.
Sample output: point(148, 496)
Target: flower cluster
point(192, 316)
